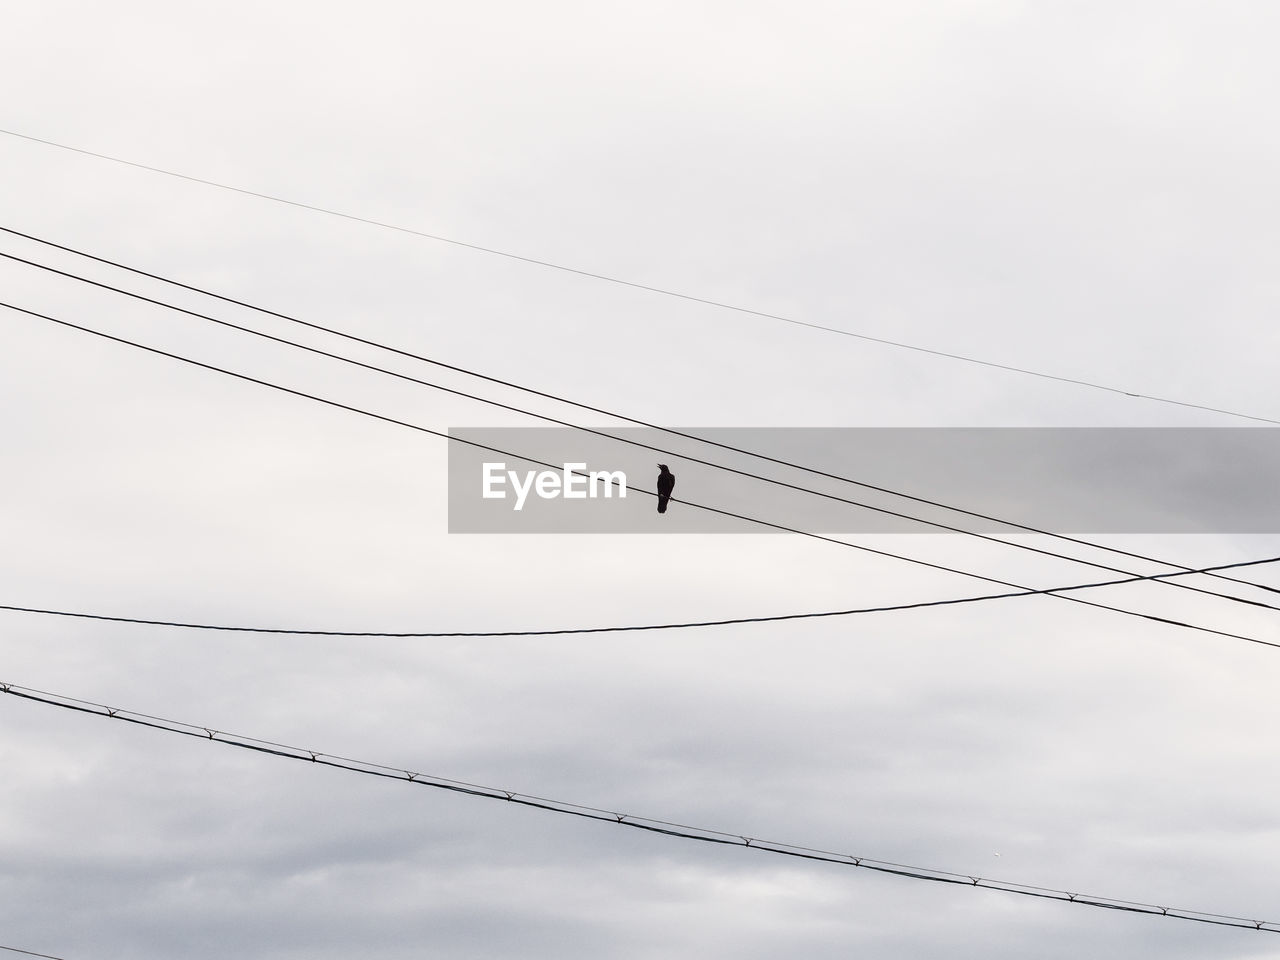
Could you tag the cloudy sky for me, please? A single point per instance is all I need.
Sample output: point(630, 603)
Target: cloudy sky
point(1085, 190)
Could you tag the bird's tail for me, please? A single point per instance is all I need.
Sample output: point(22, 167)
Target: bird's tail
point(662, 504)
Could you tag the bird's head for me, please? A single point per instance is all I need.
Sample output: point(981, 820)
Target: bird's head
point(662, 467)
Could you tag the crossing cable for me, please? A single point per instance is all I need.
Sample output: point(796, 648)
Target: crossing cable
point(696, 506)
point(610, 436)
point(597, 410)
point(627, 628)
point(722, 305)
point(603, 815)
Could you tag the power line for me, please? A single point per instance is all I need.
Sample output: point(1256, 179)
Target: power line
point(603, 815)
point(601, 433)
point(696, 506)
point(30, 953)
point(642, 286)
point(627, 628)
point(582, 406)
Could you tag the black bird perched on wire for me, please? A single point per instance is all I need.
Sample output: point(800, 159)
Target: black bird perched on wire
point(666, 483)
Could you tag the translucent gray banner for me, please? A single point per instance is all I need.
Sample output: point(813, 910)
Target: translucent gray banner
point(1068, 480)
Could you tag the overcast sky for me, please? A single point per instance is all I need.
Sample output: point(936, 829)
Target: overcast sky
point(1086, 190)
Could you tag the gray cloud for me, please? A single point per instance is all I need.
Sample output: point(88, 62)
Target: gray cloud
point(1087, 192)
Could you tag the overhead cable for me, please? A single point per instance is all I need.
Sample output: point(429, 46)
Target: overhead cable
point(626, 628)
point(690, 504)
point(601, 433)
point(30, 953)
point(634, 821)
point(722, 305)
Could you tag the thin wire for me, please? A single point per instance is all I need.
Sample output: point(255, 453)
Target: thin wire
point(30, 953)
point(604, 815)
point(628, 628)
point(640, 286)
point(600, 433)
point(471, 373)
point(650, 493)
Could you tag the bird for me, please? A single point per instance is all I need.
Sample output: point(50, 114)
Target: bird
point(666, 483)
